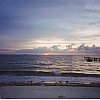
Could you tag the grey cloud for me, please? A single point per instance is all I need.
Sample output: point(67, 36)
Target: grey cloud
point(97, 23)
point(34, 50)
point(82, 49)
point(69, 47)
point(55, 47)
point(92, 11)
point(7, 51)
point(86, 49)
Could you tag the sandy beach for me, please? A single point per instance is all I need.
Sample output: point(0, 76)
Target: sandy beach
point(49, 92)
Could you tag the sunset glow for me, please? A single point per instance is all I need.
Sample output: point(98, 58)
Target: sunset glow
point(47, 54)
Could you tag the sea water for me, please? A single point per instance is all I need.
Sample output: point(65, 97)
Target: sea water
point(48, 63)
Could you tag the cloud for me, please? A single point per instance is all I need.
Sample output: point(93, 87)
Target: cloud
point(34, 50)
point(7, 51)
point(89, 50)
point(24, 21)
point(82, 49)
point(69, 47)
point(96, 23)
point(55, 47)
point(87, 31)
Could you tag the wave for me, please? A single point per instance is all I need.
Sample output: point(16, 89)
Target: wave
point(43, 64)
point(43, 73)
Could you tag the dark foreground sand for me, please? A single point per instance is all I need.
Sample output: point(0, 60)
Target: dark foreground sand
point(49, 92)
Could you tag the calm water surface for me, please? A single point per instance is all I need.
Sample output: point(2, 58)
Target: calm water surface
point(48, 63)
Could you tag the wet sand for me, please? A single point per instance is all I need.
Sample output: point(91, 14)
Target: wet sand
point(43, 83)
point(48, 92)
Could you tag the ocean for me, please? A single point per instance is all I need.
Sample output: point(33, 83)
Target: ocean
point(38, 65)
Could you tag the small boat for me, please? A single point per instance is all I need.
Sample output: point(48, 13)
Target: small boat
point(92, 59)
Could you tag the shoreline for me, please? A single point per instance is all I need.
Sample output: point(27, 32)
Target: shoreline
point(42, 83)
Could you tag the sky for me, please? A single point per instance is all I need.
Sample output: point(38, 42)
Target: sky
point(57, 26)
